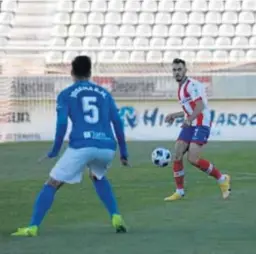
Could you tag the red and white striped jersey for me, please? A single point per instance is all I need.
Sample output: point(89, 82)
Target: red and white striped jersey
point(190, 92)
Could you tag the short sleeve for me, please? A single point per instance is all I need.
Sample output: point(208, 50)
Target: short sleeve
point(195, 91)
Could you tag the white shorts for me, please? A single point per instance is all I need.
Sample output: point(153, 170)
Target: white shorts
point(72, 164)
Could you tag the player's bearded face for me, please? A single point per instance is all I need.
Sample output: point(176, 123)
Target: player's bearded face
point(179, 72)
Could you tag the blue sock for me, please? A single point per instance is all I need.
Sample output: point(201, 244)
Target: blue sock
point(106, 195)
point(42, 204)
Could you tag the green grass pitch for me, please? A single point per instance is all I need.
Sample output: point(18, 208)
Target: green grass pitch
point(202, 223)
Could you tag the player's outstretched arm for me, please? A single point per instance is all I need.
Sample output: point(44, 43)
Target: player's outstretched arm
point(119, 131)
point(61, 126)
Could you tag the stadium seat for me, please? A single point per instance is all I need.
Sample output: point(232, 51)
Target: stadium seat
point(146, 18)
point(149, 6)
point(183, 5)
point(160, 31)
point(90, 42)
point(9, 6)
point(166, 6)
point(105, 57)
point(68, 56)
point(116, 6)
point(213, 18)
point(252, 41)
point(127, 30)
point(137, 57)
point(199, 5)
point(170, 55)
point(122, 57)
point(243, 30)
point(180, 18)
point(59, 31)
point(6, 18)
point(132, 6)
point(57, 42)
point(190, 41)
point(163, 18)
point(210, 30)
point(78, 18)
point(193, 30)
point(251, 55)
point(110, 31)
point(177, 30)
point(124, 42)
point(130, 18)
point(229, 17)
point(220, 56)
point(96, 18)
point(203, 56)
point(76, 31)
point(144, 31)
point(65, 6)
point(99, 6)
point(154, 57)
point(73, 42)
point(223, 41)
point(93, 30)
point(207, 41)
point(240, 41)
point(3, 41)
point(188, 55)
point(61, 18)
point(236, 55)
point(226, 30)
point(140, 42)
point(246, 17)
point(113, 18)
point(196, 18)
point(231, 5)
point(82, 6)
point(173, 41)
point(107, 42)
point(157, 42)
point(216, 5)
point(54, 57)
point(248, 5)
point(253, 30)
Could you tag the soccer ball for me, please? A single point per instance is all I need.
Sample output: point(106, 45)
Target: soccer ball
point(161, 157)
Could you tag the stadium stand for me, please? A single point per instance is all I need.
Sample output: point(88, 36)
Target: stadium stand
point(206, 24)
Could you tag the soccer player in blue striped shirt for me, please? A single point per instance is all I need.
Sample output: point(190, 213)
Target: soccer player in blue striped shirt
point(92, 145)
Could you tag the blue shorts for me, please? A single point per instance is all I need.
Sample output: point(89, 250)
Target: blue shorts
point(195, 134)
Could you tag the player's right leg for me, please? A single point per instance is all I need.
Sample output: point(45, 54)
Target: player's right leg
point(181, 147)
point(98, 169)
point(68, 169)
point(42, 205)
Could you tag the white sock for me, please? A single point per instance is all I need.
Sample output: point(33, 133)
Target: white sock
point(180, 191)
point(222, 179)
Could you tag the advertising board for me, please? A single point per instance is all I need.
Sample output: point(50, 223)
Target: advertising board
point(232, 120)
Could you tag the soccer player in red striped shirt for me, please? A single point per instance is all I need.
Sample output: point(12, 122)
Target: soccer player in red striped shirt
point(194, 133)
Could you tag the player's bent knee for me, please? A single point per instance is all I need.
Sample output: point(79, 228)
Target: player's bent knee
point(54, 183)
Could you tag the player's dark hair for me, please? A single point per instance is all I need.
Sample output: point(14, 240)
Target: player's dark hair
point(178, 61)
point(82, 67)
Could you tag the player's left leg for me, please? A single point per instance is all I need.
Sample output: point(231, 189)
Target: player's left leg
point(200, 138)
point(98, 169)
